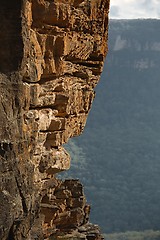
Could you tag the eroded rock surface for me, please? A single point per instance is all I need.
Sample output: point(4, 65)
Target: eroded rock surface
point(51, 58)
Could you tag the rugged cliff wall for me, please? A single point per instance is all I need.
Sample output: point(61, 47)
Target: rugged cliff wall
point(51, 57)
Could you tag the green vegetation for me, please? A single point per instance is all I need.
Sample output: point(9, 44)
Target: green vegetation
point(119, 152)
point(146, 235)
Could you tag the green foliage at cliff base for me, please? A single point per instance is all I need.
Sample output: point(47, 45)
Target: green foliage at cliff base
point(146, 235)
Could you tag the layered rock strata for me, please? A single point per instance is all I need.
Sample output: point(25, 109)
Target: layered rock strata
point(51, 57)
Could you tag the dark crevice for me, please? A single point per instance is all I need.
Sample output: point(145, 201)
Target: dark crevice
point(94, 57)
point(11, 233)
point(23, 200)
point(87, 63)
point(50, 131)
point(5, 148)
point(11, 44)
point(42, 107)
point(14, 227)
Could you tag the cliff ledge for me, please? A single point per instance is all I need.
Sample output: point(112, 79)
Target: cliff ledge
point(51, 58)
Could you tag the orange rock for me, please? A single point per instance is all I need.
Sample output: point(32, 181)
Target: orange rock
point(51, 57)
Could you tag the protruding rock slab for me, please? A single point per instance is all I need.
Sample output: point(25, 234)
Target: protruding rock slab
point(51, 57)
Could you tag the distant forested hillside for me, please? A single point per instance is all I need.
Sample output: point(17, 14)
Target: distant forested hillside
point(146, 235)
point(118, 155)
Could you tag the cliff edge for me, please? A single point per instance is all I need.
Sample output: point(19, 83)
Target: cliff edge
point(51, 57)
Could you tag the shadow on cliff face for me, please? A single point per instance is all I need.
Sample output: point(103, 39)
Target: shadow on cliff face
point(11, 46)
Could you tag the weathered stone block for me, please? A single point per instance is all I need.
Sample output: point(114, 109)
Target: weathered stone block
point(51, 57)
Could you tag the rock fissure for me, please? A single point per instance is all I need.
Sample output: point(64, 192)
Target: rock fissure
point(23, 199)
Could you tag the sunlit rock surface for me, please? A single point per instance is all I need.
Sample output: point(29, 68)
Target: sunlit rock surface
point(51, 58)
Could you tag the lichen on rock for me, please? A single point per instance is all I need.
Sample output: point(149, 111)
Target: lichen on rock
point(51, 57)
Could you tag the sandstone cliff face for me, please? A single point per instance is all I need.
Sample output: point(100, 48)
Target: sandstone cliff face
point(51, 57)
